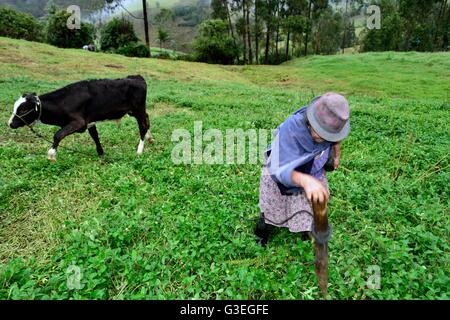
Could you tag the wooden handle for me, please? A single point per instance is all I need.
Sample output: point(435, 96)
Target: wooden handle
point(320, 216)
point(321, 251)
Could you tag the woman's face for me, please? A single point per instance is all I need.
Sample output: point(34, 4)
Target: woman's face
point(315, 135)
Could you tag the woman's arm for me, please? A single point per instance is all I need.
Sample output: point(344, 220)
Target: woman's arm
point(314, 189)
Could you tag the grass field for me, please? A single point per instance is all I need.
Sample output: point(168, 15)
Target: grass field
point(144, 228)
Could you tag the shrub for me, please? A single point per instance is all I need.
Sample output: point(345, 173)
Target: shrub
point(162, 55)
point(163, 36)
point(213, 44)
point(134, 50)
point(185, 57)
point(59, 35)
point(118, 36)
point(118, 33)
point(18, 25)
point(388, 38)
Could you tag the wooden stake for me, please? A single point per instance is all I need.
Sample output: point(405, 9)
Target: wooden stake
point(321, 250)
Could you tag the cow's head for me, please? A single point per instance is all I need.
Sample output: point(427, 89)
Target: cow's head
point(26, 111)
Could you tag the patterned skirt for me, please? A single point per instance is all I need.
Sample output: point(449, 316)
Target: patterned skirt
point(293, 212)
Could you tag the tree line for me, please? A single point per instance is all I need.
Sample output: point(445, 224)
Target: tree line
point(273, 31)
point(410, 25)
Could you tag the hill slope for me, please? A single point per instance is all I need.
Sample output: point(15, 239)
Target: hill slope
point(384, 75)
point(142, 227)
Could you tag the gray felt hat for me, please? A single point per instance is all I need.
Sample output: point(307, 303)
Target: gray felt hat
point(329, 115)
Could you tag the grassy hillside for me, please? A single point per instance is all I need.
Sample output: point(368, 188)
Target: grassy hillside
point(141, 227)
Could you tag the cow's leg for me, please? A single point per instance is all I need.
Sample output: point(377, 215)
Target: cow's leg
point(94, 134)
point(144, 126)
point(61, 134)
point(149, 135)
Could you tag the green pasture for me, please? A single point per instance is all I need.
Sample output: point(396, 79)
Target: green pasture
point(140, 227)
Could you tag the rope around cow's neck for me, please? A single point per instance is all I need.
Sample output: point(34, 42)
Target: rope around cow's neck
point(30, 125)
point(39, 104)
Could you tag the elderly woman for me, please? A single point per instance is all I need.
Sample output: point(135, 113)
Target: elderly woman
point(293, 176)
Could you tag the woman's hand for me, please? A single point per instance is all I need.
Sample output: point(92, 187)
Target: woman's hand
point(314, 189)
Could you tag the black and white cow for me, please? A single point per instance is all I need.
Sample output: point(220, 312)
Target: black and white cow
point(78, 106)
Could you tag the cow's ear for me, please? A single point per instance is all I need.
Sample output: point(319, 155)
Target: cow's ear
point(34, 94)
point(24, 95)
